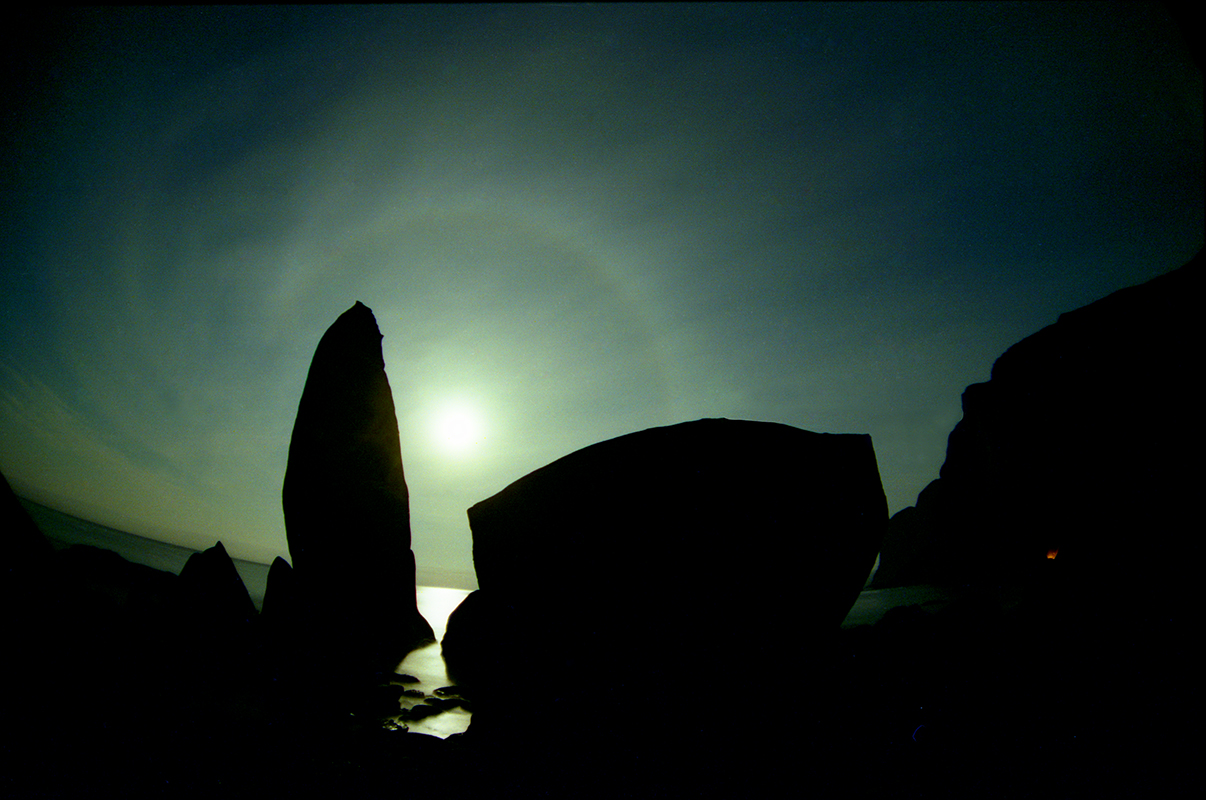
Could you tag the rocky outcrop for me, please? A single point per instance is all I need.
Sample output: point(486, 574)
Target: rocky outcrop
point(285, 633)
point(1075, 457)
point(220, 623)
point(279, 593)
point(628, 566)
point(24, 546)
point(466, 646)
point(210, 582)
point(346, 505)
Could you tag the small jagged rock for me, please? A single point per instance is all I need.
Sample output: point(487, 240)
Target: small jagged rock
point(401, 677)
point(280, 594)
point(211, 584)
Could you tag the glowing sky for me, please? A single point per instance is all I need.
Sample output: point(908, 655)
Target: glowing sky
point(571, 222)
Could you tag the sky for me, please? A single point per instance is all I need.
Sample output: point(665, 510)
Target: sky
point(572, 222)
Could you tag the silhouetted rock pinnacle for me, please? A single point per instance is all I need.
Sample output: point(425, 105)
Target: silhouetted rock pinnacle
point(346, 505)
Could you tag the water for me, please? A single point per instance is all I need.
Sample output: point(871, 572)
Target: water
point(426, 663)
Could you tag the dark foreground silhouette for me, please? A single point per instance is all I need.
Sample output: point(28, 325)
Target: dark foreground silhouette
point(1062, 677)
point(111, 693)
point(649, 557)
point(349, 608)
point(1082, 445)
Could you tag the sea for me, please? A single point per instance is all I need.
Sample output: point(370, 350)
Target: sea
point(435, 603)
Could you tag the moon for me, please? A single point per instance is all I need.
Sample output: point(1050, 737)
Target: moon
point(458, 429)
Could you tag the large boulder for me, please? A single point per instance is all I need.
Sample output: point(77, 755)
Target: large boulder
point(624, 578)
point(1075, 458)
point(347, 515)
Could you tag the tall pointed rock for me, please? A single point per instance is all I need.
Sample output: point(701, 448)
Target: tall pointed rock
point(347, 511)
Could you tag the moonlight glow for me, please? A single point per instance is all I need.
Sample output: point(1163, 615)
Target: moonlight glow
point(571, 222)
point(457, 429)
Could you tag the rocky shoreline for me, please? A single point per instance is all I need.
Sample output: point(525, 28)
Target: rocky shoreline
point(110, 699)
point(1061, 667)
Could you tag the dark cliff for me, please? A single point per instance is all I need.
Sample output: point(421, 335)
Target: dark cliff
point(1076, 456)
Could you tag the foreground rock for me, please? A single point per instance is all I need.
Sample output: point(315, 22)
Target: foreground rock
point(24, 549)
point(218, 619)
point(1078, 448)
point(210, 581)
point(280, 596)
point(965, 701)
point(644, 562)
point(347, 515)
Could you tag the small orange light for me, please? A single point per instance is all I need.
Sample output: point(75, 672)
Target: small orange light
point(1052, 553)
